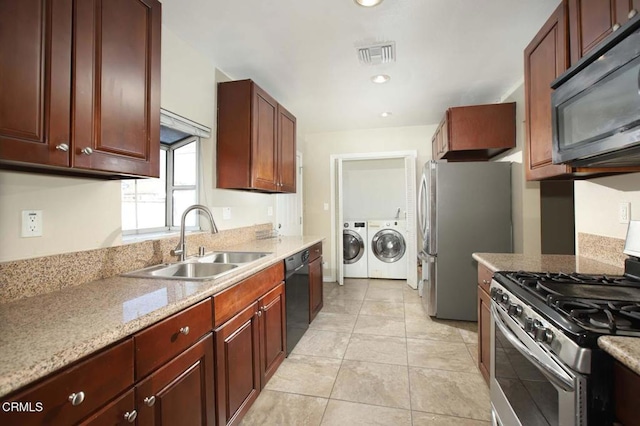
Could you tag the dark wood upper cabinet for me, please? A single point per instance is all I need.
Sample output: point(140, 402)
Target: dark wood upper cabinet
point(256, 142)
point(82, 86)
point(545, 59)
point(477, 132)
point(590, 21)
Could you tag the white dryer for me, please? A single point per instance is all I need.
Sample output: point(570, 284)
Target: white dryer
point(387, 249)
point(354, 241)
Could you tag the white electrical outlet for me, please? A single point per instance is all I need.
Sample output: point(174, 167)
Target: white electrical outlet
point(31, 223)
point(226, 213)
point(326, 206)
point(624, 212)
point(269, 211)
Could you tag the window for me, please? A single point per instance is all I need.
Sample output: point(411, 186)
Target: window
point(156, 205)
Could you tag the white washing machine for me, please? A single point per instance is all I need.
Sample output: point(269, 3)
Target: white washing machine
point(354, 241)
point(387, 249)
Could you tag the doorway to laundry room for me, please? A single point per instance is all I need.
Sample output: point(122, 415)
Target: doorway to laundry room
point(373, 217)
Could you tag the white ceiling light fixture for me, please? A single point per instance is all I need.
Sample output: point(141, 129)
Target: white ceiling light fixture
point(368, 3)
point(380, 78)
point(385, 114)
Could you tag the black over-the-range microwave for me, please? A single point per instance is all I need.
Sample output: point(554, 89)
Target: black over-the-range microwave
point(596, 105)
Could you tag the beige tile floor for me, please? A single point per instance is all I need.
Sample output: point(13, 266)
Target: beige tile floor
point(373, 357)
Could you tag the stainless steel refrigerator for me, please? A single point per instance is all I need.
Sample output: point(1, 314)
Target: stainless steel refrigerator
point(462, 208)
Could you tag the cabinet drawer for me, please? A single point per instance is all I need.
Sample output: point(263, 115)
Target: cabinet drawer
point(94, 382)
point(232, 300)
point(484, 277)
point(116, 413)
point(164, 340)
point(315, 251)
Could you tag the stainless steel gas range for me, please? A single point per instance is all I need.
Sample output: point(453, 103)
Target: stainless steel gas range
point(546, 367)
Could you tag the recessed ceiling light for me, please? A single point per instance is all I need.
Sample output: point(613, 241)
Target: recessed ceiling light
point(368, 3)
point(380, 78)
point(385, 114)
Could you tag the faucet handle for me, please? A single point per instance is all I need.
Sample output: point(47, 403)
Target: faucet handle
point(176, 252)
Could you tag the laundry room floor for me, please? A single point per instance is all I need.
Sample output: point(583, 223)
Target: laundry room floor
point(373, 357)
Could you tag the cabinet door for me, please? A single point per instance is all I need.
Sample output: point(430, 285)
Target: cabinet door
point(264, 150)
point(315, 288)
point(35, 74)
point(590, 21)
point(237, 365)
point(625, 10)
point(117, 412)
point(273, 333)
point(484, 333)
point(545, 58)
point(182, 391)
point(287, 150)
point(116, 86)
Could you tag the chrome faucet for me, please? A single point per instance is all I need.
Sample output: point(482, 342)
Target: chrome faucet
point(181, 248)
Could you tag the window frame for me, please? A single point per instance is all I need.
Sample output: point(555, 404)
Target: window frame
point(169, 188)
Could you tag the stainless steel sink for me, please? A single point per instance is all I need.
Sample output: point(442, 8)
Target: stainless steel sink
point(183, 271)
point(230, 257)
point(208, 267)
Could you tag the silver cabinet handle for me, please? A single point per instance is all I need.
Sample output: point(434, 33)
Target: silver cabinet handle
point(130, 416)
point(185, 330)
point(76, 398)
point(86, 151)
point(149, 401)
point(260, 312)
point(486, 282)
point(616, 27)
point(632, 13)
point(62, 147)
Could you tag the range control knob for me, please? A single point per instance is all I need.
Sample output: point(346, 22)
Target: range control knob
point(528, 324)
point(495, 294)
point(515, 310)
point(505, 298)
point(543, 334)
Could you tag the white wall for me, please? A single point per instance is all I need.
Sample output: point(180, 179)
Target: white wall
point(373, 189)
point(317, 149)
point(597, 202)
point(525, 195)
point(82, 214)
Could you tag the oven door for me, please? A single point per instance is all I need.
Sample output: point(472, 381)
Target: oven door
point(529, 386)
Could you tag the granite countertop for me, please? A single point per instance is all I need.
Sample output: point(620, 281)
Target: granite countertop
point(545, 263)
point(44, 333)
point(624, 349)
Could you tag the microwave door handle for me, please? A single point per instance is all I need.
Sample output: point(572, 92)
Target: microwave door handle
point(561, 380)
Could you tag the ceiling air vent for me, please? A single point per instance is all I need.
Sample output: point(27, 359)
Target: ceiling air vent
point(377, 54)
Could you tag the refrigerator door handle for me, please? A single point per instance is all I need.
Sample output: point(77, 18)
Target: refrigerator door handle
point(421, 202)
point(423, 256)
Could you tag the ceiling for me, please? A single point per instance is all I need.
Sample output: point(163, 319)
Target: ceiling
point(303, 52)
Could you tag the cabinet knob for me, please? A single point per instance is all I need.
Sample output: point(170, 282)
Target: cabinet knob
point(486, 282)
point(632, 13)
point(130, 416)
point(185, 330)
point(149, 401)
point(260, 312)
point(76, 398)
point(616, 27)
point(86, 151)
point(62, 147)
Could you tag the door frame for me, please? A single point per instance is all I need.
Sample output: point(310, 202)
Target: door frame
point(337, 209)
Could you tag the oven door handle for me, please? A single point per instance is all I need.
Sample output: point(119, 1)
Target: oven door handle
point(559, 378)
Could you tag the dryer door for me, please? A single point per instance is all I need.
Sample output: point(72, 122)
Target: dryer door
point(353, 246)
point(388, 245)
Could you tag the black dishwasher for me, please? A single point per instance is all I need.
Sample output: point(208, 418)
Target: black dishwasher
point(296, 297)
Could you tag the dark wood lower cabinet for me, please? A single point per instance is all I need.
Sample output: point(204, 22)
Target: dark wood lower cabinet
point(626, 395)
point(315, 288)
point(273, 333)
point(182, 391)
point(484, 333)
point(237, 365)
point(118, 412)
